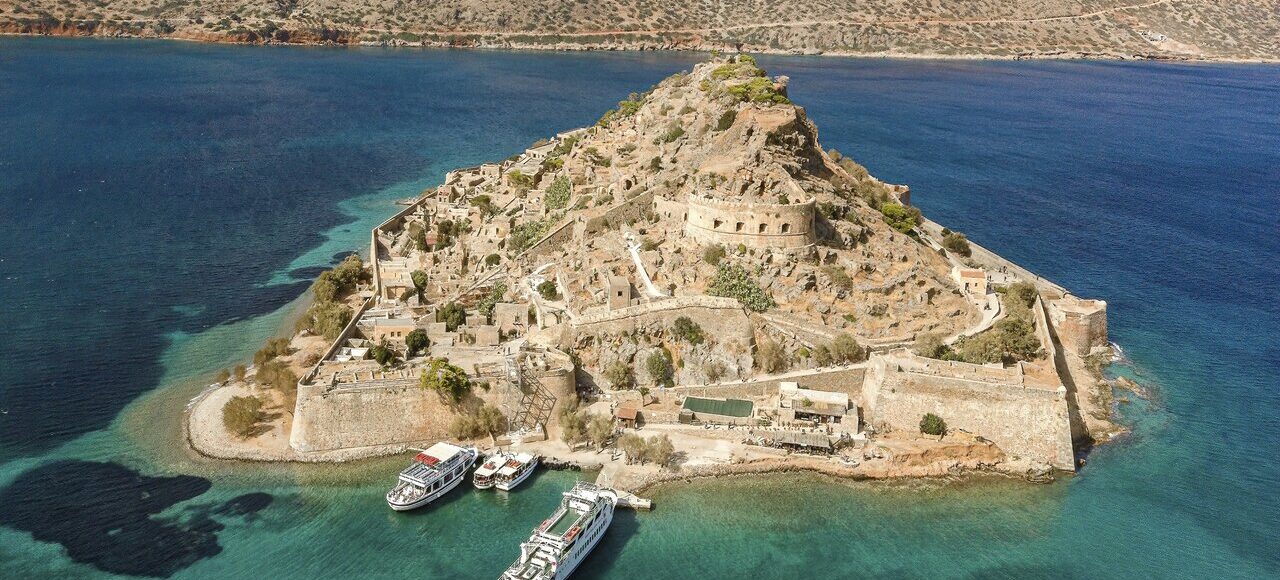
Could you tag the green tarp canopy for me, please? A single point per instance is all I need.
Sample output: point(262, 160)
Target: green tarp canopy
point(725, 407)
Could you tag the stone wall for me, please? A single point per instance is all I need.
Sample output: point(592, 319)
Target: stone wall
point(756, 225)
point(373, 413)
point(1028, 423)
point(631, 210)
point(1080, 324)
point(837, 380)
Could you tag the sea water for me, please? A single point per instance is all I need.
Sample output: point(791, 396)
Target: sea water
point(162, 206)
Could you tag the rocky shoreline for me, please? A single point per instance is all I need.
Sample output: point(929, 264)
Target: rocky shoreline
point(340, 38)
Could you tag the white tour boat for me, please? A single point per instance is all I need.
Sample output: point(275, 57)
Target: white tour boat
point(432, 474)
point(505, 470)
point(562, 541)
point(483, 477)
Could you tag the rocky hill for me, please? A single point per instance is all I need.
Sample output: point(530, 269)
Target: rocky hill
point(1166, 29)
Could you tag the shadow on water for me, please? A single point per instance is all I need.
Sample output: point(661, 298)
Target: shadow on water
point(601, 560)
point(108, 516)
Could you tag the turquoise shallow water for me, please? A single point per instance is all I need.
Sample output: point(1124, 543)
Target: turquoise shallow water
point(163, 201)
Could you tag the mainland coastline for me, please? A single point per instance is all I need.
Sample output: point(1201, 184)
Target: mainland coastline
point(560, 195)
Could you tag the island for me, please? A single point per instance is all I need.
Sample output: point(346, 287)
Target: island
point(1241, 30)
point(691, 287)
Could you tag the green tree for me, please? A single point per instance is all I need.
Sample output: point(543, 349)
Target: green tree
point(932, 424)
point(687, 330)
point(383, 354)
point(548, 290)
point(239, 372)
point(599, 430)
point(900, 217)
point(845, 349)
point(660, 450)
point(419, 278)
point(223, 376)
point(957, 244)
point(929, 345)
point(822, 355)
point(619, 375)
point(633, 446)
point(659, 367)
point(241, 415)
point(452, 315)
point(447, 380)
point(415, 342)
point(491, 421)
point(324, 288)
point(1024, 293)
point(573, 428)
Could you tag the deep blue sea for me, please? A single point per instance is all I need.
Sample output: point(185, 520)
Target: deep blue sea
point(162, 206)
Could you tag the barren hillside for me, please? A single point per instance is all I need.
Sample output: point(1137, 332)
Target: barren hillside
point(1176, 29)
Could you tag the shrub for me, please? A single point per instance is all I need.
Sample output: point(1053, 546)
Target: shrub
point(241, 415)
point(770, 357)
point(324, 288)
point(687, 330)
point(276, 375)
point(900, 217)
point(239, 372)
point(520, 180)
point(383, 354)
point(452, 315)
point(671, 134)
point(838, 277)
point(526, 234)
point(326, 319)
point(732, 281)
point(822, 355)
point(447, 380)
point(273, 348)
point(486, 305)
point(929, 346)
point(957, 244)
point(558, 193)
point(726, 120)
point(547, 289)
point(713, 254)
point(619, 375)
point(714, 370)
point(845, 349)
point(658, 366)
point(573, 428)
point(223, 376)
point(758, 90)
point(492, 260)
point(1022, 292)
point(932, 424)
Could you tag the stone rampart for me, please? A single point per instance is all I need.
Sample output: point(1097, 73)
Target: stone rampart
point(369, 413)
point(756, 225)
point(1030, 423)
point(839, 380)
point(1080, 324)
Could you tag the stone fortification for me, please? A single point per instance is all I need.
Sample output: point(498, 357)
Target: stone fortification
point(754, 224)
point(1080, 324)
point(365, 414)
point(1029, 422)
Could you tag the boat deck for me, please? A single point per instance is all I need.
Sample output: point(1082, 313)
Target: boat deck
point(565, 520)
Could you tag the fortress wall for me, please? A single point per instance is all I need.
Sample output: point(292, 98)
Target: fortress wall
point(371, 414)
point(1027, 423)
point(730, 222)
point(1080, 324)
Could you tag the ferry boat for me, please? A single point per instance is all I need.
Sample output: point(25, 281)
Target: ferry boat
point(505, 470)
point(433, 473)
point(562, 541)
